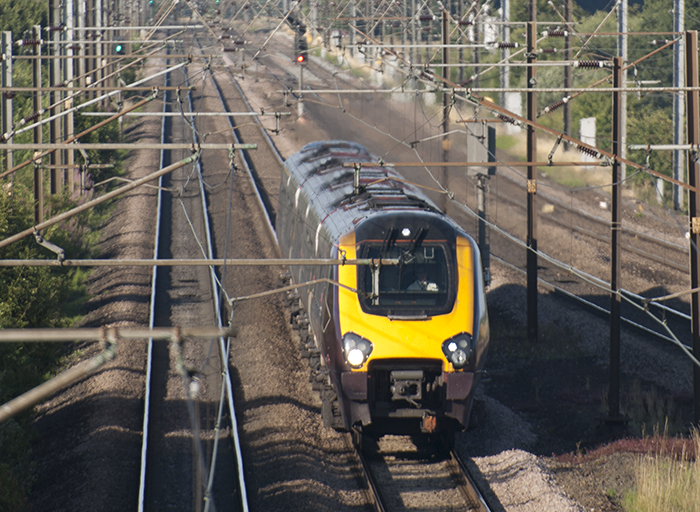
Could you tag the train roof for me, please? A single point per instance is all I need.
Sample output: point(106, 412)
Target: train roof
point(329, 187)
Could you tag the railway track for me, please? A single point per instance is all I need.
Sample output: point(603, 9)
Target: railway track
point(402, 476)
point(188, 386)
point(464, 492)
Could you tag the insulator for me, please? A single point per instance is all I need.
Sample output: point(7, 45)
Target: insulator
point(426, 17)
point(225, 29)
point(659, 42)
point(30, 42)
point(59, 28)
point(507, 44)
point(425, 75)
point(507, 119)
point(239, 42)
point(547, 50)
point(8, 95)
point(232, 49)
point(588, 151)
point(589, 64)
point(31, 117)
point(554, 106)
point(225, 36)
point(465, 22)
point(555, 33)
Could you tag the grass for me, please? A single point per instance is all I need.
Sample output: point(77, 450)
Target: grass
point(665, 482)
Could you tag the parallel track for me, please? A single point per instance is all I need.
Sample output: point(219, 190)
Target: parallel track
point(203, 415)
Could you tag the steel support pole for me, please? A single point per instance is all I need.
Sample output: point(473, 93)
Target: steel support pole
point(55, 79)
point(615, 265)
point(693, 128)
point(68, 120)
point(622, 53)
point(678, 101)
point(414, 36)
point(353, 34)
point(37, 132)
point(532, 314)
point(6, 101)
point(445, 108)
point(505, 52)
point(568, 75)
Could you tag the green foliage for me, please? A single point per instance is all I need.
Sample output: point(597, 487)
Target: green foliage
point(108, 133)
point(14, 446)
point(20, 15)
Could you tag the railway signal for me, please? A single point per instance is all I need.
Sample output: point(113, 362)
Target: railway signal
point(119, 49)
point(301, 58)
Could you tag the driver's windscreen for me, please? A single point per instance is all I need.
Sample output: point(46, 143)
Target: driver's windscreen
point(421, 282)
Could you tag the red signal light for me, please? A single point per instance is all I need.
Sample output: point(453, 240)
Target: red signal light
point(300, 59)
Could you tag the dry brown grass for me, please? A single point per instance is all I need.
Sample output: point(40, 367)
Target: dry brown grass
point(667, 481)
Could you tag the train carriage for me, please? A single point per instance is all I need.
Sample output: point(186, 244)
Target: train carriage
point(402, 346)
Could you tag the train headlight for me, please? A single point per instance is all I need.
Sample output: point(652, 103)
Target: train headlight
point(458, 349)
point(356, 349)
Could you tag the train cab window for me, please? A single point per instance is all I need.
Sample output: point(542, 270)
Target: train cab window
point(423, 283)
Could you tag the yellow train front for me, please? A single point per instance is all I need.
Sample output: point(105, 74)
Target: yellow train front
point(402, 345)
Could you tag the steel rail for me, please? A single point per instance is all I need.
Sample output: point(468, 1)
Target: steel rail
point(375, 496)
point(246, 163)
point(152, 313)
point(468, 487)
point(226, 376)
point(270, 143)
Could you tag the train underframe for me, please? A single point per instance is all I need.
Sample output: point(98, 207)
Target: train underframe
point(406, 397)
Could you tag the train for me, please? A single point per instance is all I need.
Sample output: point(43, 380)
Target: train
point(400, 346)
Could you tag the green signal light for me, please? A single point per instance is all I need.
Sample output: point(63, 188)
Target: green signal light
point(119, 48)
